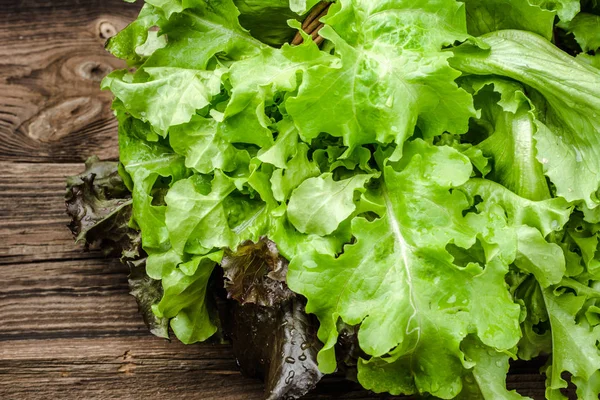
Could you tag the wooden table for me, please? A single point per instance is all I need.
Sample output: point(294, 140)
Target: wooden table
point(68, 328)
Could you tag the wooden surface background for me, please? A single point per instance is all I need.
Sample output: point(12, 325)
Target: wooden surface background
point(68, 328)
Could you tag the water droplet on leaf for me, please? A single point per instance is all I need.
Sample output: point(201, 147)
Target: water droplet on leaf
point(290, 377)
point(578, 156)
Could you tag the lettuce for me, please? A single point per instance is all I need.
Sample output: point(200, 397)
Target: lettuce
point(425, 186)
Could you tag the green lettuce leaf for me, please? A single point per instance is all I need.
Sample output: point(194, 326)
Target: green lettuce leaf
point(478, 159)
point(152, 166)
point(381, 280)
point(258, 78)
point(204, 145)
point(302, 6)
point(574, 344)
point(535, 327)
point(132, 43)
point(219, 217)
point(267, 21)
point(593, 61)
point(546, 216)
point(378, 91)
point(200, 30)
point(586, 29)
point(319, 205)
point(567, 140)
point(185, 297)
point(485, 16)
point(536, 256)
point(565, 9)
point(284, 148)
point(298, 170)
point(437, 202)
point(488, 378)
point(165, 96)
point(507, 122)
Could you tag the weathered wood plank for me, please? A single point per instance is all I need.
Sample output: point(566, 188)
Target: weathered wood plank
point(32, 214)
point(52, 60)
point(79, 298)
point(116, 368)
point(120, 368)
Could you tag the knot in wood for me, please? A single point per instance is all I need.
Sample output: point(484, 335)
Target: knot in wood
point(107, 30)
point(93, 70)
point(70, 115)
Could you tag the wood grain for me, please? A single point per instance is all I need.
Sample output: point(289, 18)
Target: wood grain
point(112, 368)
point(68, 328)
point(52, 60)
point(32, 217)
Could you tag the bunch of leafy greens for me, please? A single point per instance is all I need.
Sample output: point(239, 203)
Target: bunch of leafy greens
point(431, 175)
